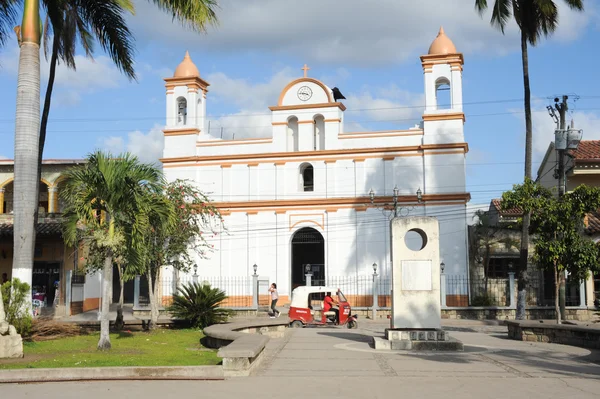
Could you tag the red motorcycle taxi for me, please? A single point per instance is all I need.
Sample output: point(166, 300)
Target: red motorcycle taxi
point(306, 308)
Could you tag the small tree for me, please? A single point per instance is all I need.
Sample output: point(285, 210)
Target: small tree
point(13, 295)
point(120, 188)
point(557, 224)
point(179, 239)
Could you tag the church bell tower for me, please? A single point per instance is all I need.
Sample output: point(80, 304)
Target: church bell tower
point(186, 110)
point(443, 118)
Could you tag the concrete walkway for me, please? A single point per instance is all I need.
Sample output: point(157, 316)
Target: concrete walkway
point(339, 363)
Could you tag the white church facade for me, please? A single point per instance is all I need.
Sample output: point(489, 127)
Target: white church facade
point(312, 193)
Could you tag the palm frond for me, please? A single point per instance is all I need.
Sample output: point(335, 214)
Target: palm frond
point(8, 18)
point(199, 305)
point(194, 14)
point(106, 19)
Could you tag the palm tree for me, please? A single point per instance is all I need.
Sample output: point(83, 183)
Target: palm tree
point(535, 18)
point(195, 14)
point(117, 187)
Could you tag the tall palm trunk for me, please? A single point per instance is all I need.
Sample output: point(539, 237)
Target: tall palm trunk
point(27, 123)
point(522, 284)
point(46, 111)
point(104, 343)
point(153, 294)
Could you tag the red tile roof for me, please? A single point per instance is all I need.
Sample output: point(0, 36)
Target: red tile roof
point(587, 150)
point(593, 223)
point(497, 202)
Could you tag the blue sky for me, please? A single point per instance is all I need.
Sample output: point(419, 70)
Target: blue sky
point(371, 54)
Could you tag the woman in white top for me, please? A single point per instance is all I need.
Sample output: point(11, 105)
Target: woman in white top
point(274, 298)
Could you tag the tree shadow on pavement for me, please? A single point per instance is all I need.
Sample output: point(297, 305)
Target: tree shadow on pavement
point(355, 337)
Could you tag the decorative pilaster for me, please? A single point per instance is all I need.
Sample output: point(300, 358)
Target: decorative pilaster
point(1, 200)
point(52, 200)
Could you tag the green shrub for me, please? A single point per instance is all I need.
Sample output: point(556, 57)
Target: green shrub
point(483, 300)
point(18, 313)
point(198, 304)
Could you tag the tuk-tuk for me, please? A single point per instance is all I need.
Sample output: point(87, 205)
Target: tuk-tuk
point(307, 307)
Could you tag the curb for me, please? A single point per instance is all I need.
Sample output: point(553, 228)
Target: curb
point(112, 373)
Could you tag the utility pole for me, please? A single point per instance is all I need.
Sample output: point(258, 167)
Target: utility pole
point(562, 111)
point(564, 139)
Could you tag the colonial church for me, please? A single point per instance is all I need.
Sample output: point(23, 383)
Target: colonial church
point(312, 193)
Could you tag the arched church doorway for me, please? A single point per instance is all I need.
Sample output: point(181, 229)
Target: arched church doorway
point(308, 248)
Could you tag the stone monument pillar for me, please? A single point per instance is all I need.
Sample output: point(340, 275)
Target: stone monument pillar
point(416, 274)
point(416, 305)
point(11, 343)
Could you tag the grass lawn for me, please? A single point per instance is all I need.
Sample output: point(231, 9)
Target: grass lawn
point(158, 348)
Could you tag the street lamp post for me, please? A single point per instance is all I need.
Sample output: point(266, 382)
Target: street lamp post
point(255, 287)
point(375, 292)
point(442, 285)
point(394, 204)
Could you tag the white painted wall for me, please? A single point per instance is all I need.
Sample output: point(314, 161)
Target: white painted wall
point(261, 170)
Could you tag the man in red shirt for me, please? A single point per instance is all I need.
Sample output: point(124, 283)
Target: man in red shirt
point(328, 305)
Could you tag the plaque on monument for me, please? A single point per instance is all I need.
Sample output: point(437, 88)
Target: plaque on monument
point(416, 275)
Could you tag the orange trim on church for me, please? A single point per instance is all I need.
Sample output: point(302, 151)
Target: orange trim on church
point(307, 106)
point(316, 155)
point(181, 132)
point(216, 143)
point(266, 205)
point(304, 79)
point(190, 82)
point(381, 133)
point(427, 61)
point(444, 117)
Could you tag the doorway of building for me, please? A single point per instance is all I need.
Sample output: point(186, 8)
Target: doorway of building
point(45, 281)
point(308, 248)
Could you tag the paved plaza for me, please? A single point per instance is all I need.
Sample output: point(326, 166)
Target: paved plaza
point(339, 363)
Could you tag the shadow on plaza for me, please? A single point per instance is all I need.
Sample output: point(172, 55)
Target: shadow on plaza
point(349, 336)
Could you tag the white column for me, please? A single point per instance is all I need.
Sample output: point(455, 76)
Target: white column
point(280, 177)
point(192, 100)
point(456, 88)
point(226, 187)
point(253, 189)
point(330, 169)
point(306, 131)
point(430, 101)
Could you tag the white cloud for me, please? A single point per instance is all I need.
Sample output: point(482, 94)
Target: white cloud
point(91, 75)
point(386, 104)
point(353, 32)
point(544, 125)
point(3, 157)
point(148, 147)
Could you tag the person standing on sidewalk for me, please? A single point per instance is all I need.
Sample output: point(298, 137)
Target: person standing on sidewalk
point(274, 298)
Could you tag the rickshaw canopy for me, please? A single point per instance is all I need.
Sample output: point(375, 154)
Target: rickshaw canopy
point(300, 294)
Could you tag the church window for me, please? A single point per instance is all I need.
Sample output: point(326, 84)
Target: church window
point(181, 111)
point(307, 177)
point(443, 97)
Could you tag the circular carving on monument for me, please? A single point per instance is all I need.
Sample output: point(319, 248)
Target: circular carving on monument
point(415, 239)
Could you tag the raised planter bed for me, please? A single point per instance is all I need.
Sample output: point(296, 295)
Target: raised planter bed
point(241, 344)
point(585, 336)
